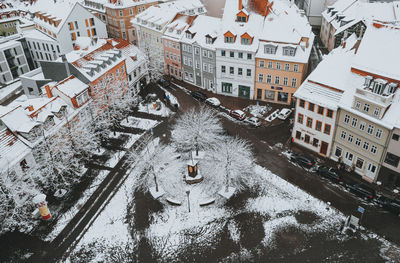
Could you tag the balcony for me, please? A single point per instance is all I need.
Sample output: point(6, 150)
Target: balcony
point(366, 93)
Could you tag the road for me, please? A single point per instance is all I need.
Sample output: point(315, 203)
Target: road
point(263, 140)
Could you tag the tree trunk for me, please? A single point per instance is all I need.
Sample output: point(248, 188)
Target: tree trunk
point(155, 181)
point(227, 183)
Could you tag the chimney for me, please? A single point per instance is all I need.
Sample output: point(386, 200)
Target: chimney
point(240, 5)
point(30, 108)
point(357, 45)
point(64, 59)
point(344, 38)
point(48, 91)
point(361, 32)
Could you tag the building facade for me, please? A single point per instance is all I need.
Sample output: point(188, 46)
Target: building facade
point(389, 174)
point(13, 62)
point(120, 13)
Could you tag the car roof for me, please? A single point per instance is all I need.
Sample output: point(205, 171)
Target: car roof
point(239, 111)
point(285, 110)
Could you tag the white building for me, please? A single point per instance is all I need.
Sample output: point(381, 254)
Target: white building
point(151, 24)
point(65, 22)
point(313, 9)
point(97, 8)
point(318, 100)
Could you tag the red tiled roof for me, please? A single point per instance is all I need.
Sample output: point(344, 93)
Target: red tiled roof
point(90, 57)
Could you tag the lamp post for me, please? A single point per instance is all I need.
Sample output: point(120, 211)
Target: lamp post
point(188, 193)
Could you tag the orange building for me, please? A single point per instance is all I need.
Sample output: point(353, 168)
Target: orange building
point(119, 14)
point(277, 80)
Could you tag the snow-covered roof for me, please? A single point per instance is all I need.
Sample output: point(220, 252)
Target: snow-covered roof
point(156, 17)
point(278, 22)
point(201, 27)
point(71, 86)
point(11, 149)
point(132, 54)
point(345, 13)
point(36, 35)
point(178, 25)
point(379, 52)
point(95, 59)
point(52, 14)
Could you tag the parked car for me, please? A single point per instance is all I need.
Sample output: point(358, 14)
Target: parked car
point(199, 95)
point(389, 204)
point(330, 173)
point(164, 83)
point(284, 113)
point(253, 121)
point(303, 160)
point(213, 102)
point(237, 114)
point(362, 191)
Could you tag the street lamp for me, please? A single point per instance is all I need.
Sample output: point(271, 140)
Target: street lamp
point(188, 193)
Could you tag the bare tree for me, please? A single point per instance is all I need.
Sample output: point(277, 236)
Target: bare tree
point(232, 162)
point(197, 129)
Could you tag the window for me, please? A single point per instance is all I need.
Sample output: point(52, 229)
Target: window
point(167, 54)
point(362, 125)
point(302, 103)
point(223, 69)
point(228, 39)
point(366, 146)
point(392, 159)
point(318, 126)
point(394, 136)
point(327, 129)
point(346, 118)
point(278, 65)
point(320, 110)
point(354, 122)
point(248, 72)
point(376, 112)
point(277, 80)
point(232, 54)
point(204, 66)
point(240, 55)
point(261, 63)
point(300, 118)
point(294, 83)
point(359, 163)
point(307, 138)
point(197, 64)
point(309, 122)
point(249, 56)
point(285, 81)
point(204, 53)
point(268, 49)
point(288, 51)
point(298, 135)
point(210, 54)
point(226, 87)
point(358, 104)
point(196, 50)
point(269, 78)
point(338, 151)
point(343, 135)
point(231, 70)
point(269, 64)
point(311, 106)
point(240, 71)
point(378, 133)
point(296, 68)
point(366, 107)
point(260, 77)
point(92, 21)
point(287, 66)
point(120, 12)
point(223, 53)
point(350, 138)
point(358, 142)
point(373, 149)
point(245, 41)
point(370, 129)
point(329, 113)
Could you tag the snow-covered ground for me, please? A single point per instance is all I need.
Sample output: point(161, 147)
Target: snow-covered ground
point(134, 122)
point(67, 216)
point(148, 108)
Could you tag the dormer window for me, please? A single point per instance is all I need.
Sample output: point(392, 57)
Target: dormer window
point(188, 35)
point(379, 86)
point(269, 49)
point(170, 29)
point(229, 40)
point(242, 19)
point(178, 31)
point(368, 80)
point(208, 40)
point(289, 51)
point(392, 87)
point(246, 41)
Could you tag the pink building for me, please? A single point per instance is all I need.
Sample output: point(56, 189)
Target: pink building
point(171, 43)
